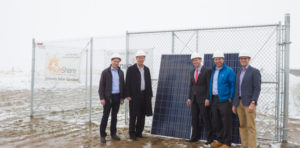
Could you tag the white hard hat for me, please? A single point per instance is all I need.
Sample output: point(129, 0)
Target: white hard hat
point(218, 54)
point(244, 53)
point(140, 53)
point(195, 55)
point(115, 55)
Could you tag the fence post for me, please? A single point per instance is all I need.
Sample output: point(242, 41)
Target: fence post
point(173, 42)
point(91, 79)
point(32, 77)
point(277, 99)
point(86, 76)
point(126, 67)
point(286, 77)
point(197, 39)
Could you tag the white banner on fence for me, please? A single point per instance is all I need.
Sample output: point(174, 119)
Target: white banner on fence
point(63, 67)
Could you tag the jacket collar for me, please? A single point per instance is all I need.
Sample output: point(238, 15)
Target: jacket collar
point(247, 67)
point(137, 68)
point(110, 68)
point(201, 66)
point(223, 67)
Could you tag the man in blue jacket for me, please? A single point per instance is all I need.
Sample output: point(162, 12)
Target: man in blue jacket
point(247, 90)
point(221, 93)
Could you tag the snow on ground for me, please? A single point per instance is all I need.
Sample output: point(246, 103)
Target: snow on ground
point(14, 80)
point(294, 101)
point(66, 104)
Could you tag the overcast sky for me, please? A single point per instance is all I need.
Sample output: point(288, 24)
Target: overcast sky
point(22, 20)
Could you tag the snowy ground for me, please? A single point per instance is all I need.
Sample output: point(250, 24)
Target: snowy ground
point(294, 101)
point(64, 122)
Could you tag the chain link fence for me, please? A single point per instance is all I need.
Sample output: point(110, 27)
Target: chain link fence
point(66, 74)
point(262, 41)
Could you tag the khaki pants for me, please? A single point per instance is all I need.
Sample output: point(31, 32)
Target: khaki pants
point(247, 126)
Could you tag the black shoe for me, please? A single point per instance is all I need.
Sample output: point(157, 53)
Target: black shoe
point(103, 140)
point(208, 143)
point(140, 136)
point(115, 137)
point(133, 137)
point(191, 140)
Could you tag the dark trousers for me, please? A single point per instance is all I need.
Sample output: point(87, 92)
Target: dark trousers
point(137, 119)
point(222, 118)
point(114, 106)
point(199, 111)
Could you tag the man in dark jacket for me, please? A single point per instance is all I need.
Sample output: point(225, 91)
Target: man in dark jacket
point(112, 93)
point(139, 94)
point(247, 90)
point(199, 99)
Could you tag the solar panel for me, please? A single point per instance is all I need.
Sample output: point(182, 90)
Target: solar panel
point(171, 115)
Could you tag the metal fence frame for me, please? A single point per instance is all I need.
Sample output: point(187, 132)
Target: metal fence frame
point(282, 75)
point(282, 47)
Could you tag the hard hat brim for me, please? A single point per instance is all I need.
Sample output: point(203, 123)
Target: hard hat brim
point(116, 58)
point(244, 57)
point(196, 58)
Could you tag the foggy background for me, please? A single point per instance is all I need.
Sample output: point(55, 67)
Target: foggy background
point(22, 20)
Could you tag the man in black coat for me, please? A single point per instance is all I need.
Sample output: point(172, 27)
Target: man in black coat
point(139, 94)
point(199, 99)
point(112, 93)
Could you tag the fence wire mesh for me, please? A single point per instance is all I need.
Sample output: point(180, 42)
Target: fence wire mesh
point(66, 72)
point(261, 41)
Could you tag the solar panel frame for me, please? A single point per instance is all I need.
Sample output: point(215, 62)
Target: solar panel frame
point(172, 93)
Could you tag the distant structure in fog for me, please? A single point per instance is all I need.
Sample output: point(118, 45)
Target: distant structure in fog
point(295, 72)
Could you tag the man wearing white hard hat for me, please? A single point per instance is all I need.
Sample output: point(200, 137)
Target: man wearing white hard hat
point(139, 94)
point(112, 94)
point(222, 85)
point(247, 90)
point(199, 99)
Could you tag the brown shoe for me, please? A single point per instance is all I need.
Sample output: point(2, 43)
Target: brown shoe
point(225, 146)
point(216, 144)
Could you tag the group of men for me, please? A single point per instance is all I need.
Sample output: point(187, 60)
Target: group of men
point(218, 93)
point(215, 92)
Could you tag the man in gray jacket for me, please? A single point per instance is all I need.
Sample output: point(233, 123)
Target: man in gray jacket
point(112, 93)
point(247, 90)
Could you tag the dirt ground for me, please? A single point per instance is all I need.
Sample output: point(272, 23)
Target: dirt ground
point(19, 130)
